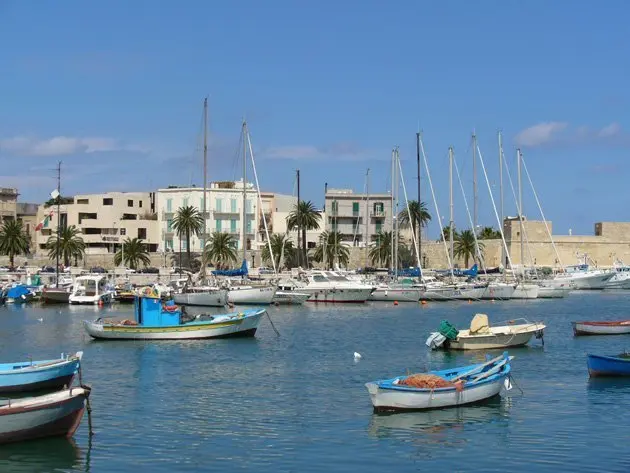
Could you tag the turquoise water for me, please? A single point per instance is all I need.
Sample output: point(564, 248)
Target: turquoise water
point(298, 403)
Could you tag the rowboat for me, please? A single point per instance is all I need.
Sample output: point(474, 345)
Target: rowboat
point(34, 375)
point(445, 388)
point(599, 365)
point(601, 328)
point(157, 321)
point(56, 414)
point(481, 336)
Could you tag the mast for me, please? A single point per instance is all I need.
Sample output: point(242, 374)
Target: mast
point(297, 213)
point(501, 187)
point(244, 211)
point(205, 171)
point(396, 189)
point(367, 216)
point(58, 219)
point(451, 225)
point(419, 201)
point(391, 243)
point(520, 205)
point(475, 204)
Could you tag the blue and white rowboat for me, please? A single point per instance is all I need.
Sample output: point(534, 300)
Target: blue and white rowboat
point(599, 365)
point(35, 375)
point(480, 382)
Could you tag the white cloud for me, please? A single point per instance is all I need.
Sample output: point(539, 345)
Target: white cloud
point(540, 134)
point(61, 145)
point(339, 151)
point(611, 130)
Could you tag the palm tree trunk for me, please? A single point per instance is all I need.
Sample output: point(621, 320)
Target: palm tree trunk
point(304, 245)
point(188, 247)
point(11, 260)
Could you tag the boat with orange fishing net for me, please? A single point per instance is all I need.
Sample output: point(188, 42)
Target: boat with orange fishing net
point(445, 388)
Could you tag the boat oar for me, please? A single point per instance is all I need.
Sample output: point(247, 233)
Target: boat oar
point(272, 325)
point(492, 371)
point(478, 368)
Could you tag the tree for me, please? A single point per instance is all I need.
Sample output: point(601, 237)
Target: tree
point(331, 250)
point(420, 217)
point(71, 245)
point(306, 217)
point(62, 201)
point(489, 233)
point(381, 252)
point(188, 221)
point(221, 249)
point(13, 240)
point(280, 246)
point(132, 253)
point(464, 246)
point(447, 231)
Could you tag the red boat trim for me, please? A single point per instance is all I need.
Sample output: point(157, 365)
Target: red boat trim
point(618, 323)
point(20, 409)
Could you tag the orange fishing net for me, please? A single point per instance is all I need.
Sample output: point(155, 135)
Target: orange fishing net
point(430, 381)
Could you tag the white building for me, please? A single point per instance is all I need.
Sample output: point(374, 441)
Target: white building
point(224, 213)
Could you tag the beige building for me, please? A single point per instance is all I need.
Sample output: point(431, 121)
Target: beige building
point(8, 203)
point(27, 214)
point(105, 220)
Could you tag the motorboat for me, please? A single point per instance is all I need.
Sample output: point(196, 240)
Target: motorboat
point(91, 289)
point(330, 286)
point(439, 291)
point(583, 277)
point(58, 293)
point(395, 292)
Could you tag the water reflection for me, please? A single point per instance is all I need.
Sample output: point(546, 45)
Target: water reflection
point(40, 456)
point(612, 385)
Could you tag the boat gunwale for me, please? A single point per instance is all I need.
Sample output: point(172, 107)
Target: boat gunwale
point(34, 368)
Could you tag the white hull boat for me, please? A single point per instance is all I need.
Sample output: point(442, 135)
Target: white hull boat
point(56, 414)
point(331, 287)
point(525, 291)
point(251, 295)
point(206, 297)
point(601, 328)
point(450, 293)
point(552, 292)
point(389, 294)
point(498, 291)
point(464, 385)
point(581, 277)
point(290, 297)
point(91, 290)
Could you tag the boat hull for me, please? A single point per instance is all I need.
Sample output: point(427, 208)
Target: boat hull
point(55, 296)
point(57, 414)
point(251, 295)
point(498, 292)
point(608, 365)
point(217, 298)
point(338, 295)
point(398, 295)
point(601, 328)
point(589, 281)
point(553, 292)
point(91, 300)
point(491, 342)
point(450, 294)
point(244, 326)
point(22, 377)
point(525, 291)
point(290, 298)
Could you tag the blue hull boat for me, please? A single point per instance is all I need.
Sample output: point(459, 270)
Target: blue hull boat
point(599, 365)
point(37, 375)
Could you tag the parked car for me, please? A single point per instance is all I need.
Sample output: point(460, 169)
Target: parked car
point(149, 270)
point(47, 269)
point(98, 269)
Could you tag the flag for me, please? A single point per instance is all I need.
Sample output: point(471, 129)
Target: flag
point(44, 222)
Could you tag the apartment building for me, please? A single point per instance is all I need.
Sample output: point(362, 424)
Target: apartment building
point(224, 206)
point(348, 213)
point(105, 220)
point(8, 203)
point(27, 214)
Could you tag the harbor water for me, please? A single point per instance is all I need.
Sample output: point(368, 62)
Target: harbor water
point(297, 402)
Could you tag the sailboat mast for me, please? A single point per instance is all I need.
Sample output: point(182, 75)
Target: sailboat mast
point(396, 189)
point(419, 201)
point(393, 217)
point(244, 211)
point(205, 170)
point(501, 188)
point(451, 224)
point(58, 219)
point(475, 203)
point(520, 205)
point(297, 212)
point(367, 217)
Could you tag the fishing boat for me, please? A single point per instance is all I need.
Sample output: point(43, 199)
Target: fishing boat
point(19, 294)
point(55, 414)
point(90, 290)
point(58, 293)
point(33, 375)
point(124, 294)
point(481, 336)
point(154, 320)
point(444, 388)
point(601, 328)
point(599, 365)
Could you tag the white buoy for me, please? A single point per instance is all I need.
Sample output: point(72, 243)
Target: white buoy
point(357, 356)
point(40, 320)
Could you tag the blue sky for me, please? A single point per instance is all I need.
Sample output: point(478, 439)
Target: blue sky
point(115, 90)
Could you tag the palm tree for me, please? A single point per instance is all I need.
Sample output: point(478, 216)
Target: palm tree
point(464, 246)
point(188, 221)
point(381, 252)
point(489, 233)
point(132, 253)
point(305, 216)
point(447, 232)
point(71, 245)
point(13, 240)
point(420, 216)
point(221, 248)
point(280, 246)
point(331, 250)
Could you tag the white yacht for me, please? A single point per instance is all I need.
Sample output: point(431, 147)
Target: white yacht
point(329, 286)
point(207, 296)
point(91, 290)
point(582, 277)
point(525, 291)
point(395, 292)
point(249, 294)
point(499, 291)
point(439, 291)
point(621, 277)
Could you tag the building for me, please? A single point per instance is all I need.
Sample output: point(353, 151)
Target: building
point(8, 203)
point(348, 213)
point(27, 214)
point(105, 220)
point(224, 205)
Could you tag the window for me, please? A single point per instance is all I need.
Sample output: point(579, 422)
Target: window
point(123, 231)
point(142, 233)
point(83, 201)
point(248, 206)
point(130, 203)
point(169, 244)
point(233, 205)
point(379, 227)
point(201, 206)
point(217, 205)
point(249, 225)
point(355, 208)
point(169, 225)
point(169, 205)
point(28, 228)
point(335, 207)
point(108, 201)
point(140, 203)
point(311, 244)
point(185, 201)
point(233, 225)
point(217, 225)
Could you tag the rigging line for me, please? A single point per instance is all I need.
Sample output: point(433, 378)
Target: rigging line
point(413, 230)
point(237, 157)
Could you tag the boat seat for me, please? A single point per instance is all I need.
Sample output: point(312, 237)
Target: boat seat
point(479, 324)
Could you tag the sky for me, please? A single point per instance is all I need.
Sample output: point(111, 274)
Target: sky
point(115, 91)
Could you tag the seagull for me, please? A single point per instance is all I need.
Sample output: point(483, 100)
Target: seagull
point(357, 356)
point(40, 320)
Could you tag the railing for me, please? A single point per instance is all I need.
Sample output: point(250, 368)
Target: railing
point(377, 213)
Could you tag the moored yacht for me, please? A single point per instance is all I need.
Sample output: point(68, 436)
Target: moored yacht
point(582, 277)
point(329, 286)
point(90, 290)
point(621, 277)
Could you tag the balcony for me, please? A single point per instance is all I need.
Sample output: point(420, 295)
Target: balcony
point(377, 213)
point(167, 214)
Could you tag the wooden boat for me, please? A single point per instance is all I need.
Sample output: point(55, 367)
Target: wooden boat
point(599, 365)
point(481, 336)
point(157, 321)
point(56, 414)
point(445, 388)
point(601, 328)
point(34, 375)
